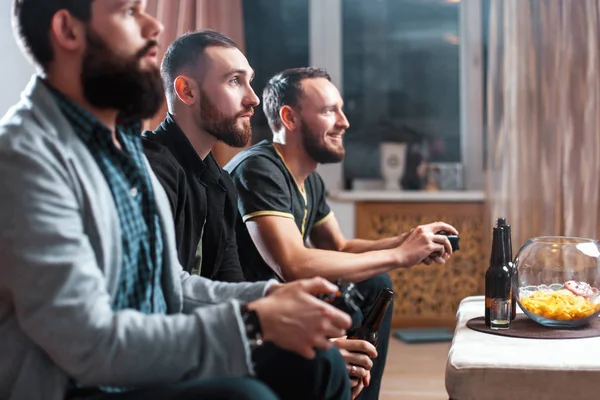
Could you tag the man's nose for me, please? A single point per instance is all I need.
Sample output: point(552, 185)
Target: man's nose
point(251, 99)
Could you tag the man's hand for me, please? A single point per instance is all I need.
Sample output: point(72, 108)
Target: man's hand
point(357, 386)
point(358, 355)
point(402, 237)
point(294, 319)
point(273, 288)
point(422, 244)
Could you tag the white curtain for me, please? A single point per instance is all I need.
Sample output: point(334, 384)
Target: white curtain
point(543, 113)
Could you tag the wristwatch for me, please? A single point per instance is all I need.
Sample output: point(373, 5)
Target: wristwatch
point(252, 326)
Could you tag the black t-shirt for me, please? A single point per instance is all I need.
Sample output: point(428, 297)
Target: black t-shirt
point(266, 187)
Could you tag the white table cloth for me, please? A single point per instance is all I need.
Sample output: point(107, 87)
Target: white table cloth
point(483, 366)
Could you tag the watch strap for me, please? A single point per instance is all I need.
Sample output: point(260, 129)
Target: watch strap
point(252, 326)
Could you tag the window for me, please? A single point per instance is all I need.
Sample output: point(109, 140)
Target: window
point(401, 71)
point(407, 69)
point(276, 36)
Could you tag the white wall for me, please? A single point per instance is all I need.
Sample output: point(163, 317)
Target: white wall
point(344, 213)
point(15, 69)
point(325, 39)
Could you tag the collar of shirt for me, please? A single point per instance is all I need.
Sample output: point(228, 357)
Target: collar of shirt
point(170, 135)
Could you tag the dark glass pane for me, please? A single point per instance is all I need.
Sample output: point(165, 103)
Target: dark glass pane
point(276, 33)
point(400, 80)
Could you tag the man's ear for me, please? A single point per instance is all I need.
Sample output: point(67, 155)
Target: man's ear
point(67, 32)
point(289, 118)
point(186, 89)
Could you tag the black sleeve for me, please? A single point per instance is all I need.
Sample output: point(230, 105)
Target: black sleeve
point(230, 269)
point(262, 189)
point(171, 177)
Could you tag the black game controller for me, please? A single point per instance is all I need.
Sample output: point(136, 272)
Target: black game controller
point(454, 239)
point(346, 299)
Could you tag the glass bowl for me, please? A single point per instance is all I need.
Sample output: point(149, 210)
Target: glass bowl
point(557, 280)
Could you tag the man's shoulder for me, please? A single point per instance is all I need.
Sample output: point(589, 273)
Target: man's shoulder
point(17, 119)
point(153, 145)
point(157, 153)
point(224, 177)
point(261, 156)
point(36, 127)
point(21, 132)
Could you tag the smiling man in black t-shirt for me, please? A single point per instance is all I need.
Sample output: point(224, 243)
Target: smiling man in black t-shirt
point(286, 229)
point(269, 188)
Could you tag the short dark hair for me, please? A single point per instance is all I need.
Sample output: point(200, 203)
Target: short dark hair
point(284, 89)
point(185, 51)
point(32, 20)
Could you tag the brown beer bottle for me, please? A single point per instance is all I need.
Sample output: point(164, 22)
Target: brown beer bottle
point(509, 255)
point(368, 329)
point(498, 290)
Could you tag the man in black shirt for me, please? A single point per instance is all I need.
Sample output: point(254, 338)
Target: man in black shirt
point(286, 229)
point(202, 196)
point(210, 99)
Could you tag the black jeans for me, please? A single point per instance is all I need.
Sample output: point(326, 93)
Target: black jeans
point(279, 374)
point(293, 377)
point(197, 389)
point(370, 288)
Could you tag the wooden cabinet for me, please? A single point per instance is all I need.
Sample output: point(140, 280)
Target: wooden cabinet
point(428, 295)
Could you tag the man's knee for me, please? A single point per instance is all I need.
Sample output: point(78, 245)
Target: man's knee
point(382, 281)
point(334, 373)
point(332, 361)
point(370, 288)
point(294, 377)
point(246, 389)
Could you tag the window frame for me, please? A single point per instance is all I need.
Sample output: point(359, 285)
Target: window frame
point(325, 50)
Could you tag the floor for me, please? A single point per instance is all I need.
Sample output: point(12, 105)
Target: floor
point(415, 371)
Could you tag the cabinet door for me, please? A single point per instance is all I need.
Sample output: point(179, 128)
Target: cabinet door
point(428, 295)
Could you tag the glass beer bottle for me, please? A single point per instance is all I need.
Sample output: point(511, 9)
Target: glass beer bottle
point(498, 288)
point(368, 329)
point(513, 270)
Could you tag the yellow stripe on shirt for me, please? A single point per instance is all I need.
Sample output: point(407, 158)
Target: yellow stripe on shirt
point(323, 220)
point(267, 212)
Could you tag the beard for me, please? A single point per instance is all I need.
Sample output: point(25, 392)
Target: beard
point(318, 149)
point(111, 81)
point(224, 128)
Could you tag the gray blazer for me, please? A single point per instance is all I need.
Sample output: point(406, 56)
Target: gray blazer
point(60, 256)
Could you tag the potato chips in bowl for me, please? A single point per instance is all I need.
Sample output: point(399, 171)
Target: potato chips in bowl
point(557, 304)
point(558, 279)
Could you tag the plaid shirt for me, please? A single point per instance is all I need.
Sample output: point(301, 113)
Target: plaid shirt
point(127, 176)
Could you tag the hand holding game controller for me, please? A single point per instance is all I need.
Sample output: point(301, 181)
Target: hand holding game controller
point(437, 256)
point(346, 299)
point(454, 239)
point(425, 244)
